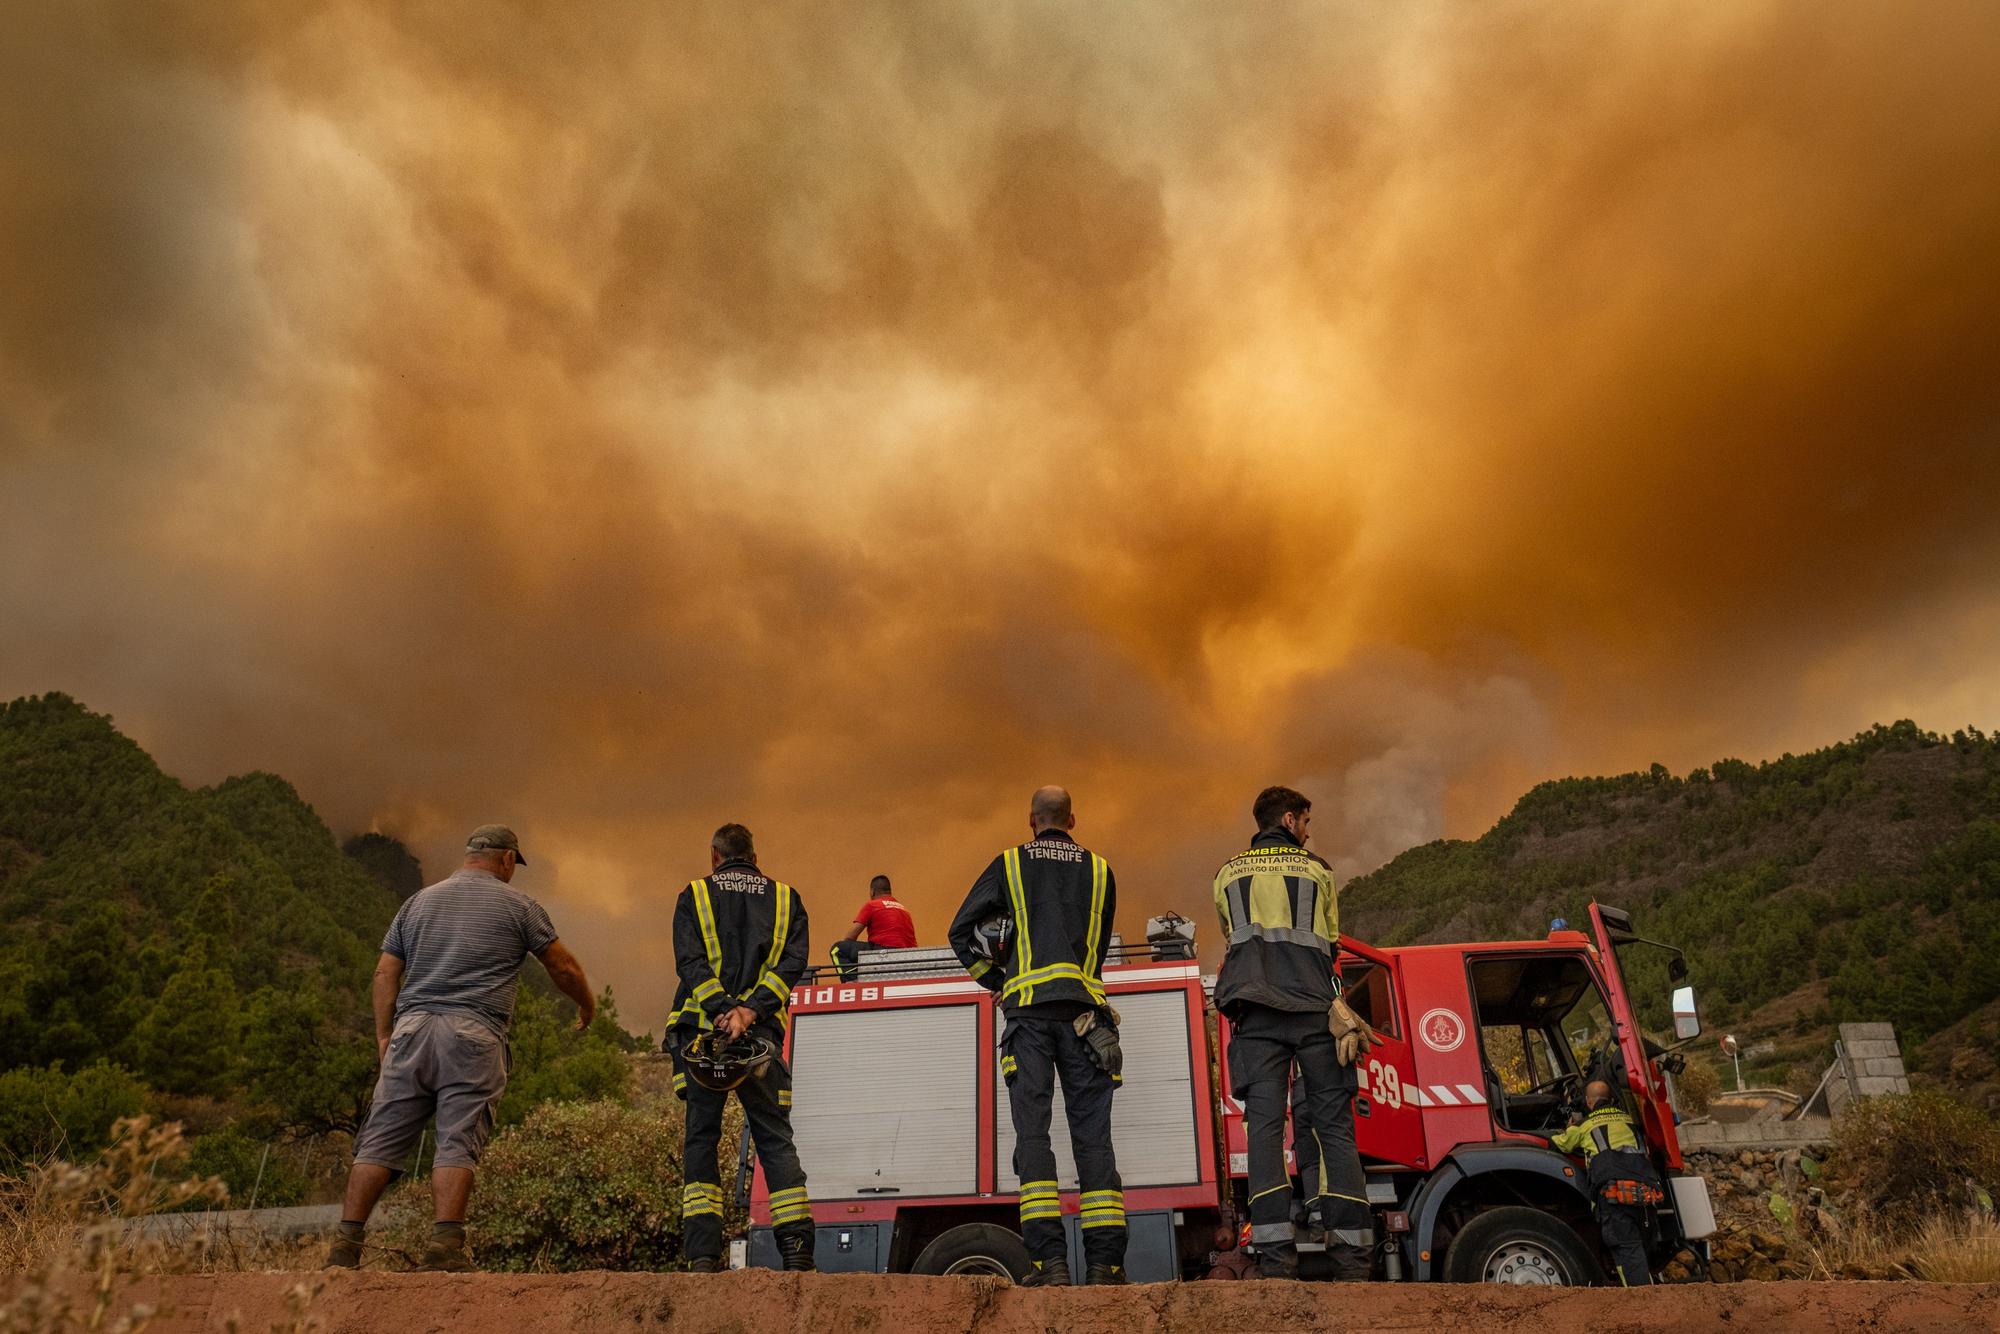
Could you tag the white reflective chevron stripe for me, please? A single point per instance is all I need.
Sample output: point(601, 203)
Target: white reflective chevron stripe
point(1471, 1094)
point(1444, 1095)
point(1414, 1093)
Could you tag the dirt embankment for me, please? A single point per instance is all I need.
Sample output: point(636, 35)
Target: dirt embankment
point(760, 1302)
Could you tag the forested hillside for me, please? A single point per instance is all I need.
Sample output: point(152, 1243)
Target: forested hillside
point(204, 952)
point(1861, 881)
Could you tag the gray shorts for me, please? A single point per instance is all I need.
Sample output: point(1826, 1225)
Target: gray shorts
point(450, 1065)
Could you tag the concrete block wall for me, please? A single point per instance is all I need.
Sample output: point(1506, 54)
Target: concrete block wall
point(1756, 1135)
point(1873, 1065)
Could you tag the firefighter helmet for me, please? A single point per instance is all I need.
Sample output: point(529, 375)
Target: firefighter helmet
point(993, 938)
point(720, 1066)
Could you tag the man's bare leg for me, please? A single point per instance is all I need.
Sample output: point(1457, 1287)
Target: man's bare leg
point(451, 1188)
point(365, 1184)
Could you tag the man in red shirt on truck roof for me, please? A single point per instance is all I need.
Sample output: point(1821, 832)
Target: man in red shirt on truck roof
point(887, 923)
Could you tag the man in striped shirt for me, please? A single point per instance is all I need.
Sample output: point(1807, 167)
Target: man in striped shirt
point(444, 1000)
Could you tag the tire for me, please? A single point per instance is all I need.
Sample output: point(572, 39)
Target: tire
point(1516, 1245)
point(977, 1248)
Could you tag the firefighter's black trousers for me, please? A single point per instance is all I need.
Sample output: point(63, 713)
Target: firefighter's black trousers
point(1034, 1052)
point(1623, 1227)
point(767, 1109)
point(1263, 1045)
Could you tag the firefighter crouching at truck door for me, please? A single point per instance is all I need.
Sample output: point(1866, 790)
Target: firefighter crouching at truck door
point(1623, 1184)
point(887, 923)
point(739, 947)
point(1278, 988)
point(1035, 928)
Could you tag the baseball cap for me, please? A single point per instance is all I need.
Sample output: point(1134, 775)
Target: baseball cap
point(495, 838)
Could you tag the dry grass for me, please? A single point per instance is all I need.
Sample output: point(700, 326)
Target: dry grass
point(62, 1221)
point(1963, 1248)
point(1958, 1251)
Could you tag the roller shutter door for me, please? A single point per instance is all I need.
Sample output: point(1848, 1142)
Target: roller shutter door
point(1152, 1114)
point(887, 1098)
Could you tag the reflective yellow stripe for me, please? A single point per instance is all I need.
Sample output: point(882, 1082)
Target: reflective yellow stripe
point(790, 1205)
point(1007, 1066)
point(1024, 948)
point(781, 928)
point(1027, 982)
point(784, 1097)
point(704, 912)
point(1115, 1220)
point(1096, 933)
point(1101, 1196)
point(980, 968)
point(706, 988)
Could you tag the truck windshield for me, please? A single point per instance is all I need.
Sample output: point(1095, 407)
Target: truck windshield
point(1542, 1021)
point(1586, 1031)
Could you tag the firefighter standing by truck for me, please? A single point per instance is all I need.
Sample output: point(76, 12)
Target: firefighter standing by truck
point(1623, 1184)
point(1035, 929)
point(739, 946)
point(1280, 992)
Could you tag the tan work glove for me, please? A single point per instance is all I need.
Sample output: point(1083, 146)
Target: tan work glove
point(1100, 1031)
point(1351, 1037)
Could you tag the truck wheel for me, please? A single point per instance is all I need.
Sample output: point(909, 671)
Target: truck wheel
point(1516, 1245)
point(976, 1248)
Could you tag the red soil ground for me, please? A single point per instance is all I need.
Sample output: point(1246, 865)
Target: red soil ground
point(761, 1302)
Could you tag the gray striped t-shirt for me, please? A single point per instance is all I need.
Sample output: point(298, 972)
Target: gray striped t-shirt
point(462, 942)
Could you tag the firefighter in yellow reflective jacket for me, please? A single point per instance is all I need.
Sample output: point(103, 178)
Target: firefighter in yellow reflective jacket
point(1053, 902)
point(740, 945)
point(1280, 992)
point(1622, 1180)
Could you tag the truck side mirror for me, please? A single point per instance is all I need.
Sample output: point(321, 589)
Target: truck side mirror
point(1687, 1023)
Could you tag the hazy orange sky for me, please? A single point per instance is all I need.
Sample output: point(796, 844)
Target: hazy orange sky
point(618, 419)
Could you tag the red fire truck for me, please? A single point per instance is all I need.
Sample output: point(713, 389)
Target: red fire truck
point(901, 1117)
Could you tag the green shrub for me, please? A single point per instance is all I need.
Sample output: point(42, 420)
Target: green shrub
point(592, 1185)
point(1696, 1084)
point(50, 1111)
point(253, 1178)
point(553, 1063)
point(1909, 1157)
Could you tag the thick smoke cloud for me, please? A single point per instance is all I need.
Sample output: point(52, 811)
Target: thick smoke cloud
point(844, 419)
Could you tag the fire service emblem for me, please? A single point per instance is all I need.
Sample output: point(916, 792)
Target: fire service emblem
point(1441, 1030)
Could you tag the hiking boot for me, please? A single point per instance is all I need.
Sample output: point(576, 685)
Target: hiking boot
point(797, 1254)
point(1048, 1274)
point(344, 1253)
point(1102, 1275)
point(705, 1264)
point(446, 1255)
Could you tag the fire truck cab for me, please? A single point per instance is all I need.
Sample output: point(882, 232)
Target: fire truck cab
point(901, 1119)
